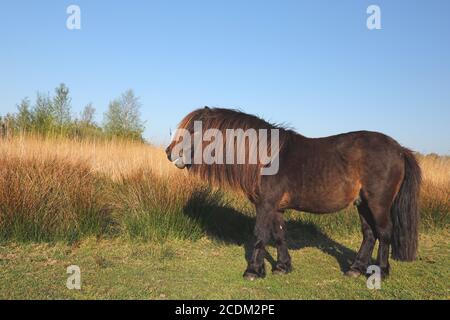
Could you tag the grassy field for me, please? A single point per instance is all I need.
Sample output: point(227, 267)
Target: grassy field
point(139, 228)
point(205, 269)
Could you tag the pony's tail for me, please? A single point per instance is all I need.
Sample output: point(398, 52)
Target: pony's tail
point(404, 212)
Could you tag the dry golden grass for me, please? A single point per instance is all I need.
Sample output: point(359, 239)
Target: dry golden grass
point(436, 172)
point(115, 158)
point(435, 193)
point(45, 197)
point(58, 188)
point(64, 189)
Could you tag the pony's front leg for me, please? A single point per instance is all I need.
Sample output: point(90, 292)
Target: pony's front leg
point(264, 220)
point(283, 265)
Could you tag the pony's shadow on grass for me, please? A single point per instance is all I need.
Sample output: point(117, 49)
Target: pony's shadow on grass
point(230, 226)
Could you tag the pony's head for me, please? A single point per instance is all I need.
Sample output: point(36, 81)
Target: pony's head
point(178, 156)
point(179, 151)
point(177, 160)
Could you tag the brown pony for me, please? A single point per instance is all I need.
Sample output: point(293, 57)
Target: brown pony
point(320, 175)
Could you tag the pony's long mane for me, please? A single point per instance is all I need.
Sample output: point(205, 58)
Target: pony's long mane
point(240, 177)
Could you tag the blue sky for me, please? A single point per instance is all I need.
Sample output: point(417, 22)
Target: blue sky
point(311, 64)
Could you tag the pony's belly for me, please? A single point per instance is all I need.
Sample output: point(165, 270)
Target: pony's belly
point(324, 201)
point(323, 209)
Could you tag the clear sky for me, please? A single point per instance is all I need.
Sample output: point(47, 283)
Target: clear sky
point(311, 64)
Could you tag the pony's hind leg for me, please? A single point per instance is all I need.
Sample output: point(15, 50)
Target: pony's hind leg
point(283, 265)
point(384, 234)
point(364, 255)
point(383, 228)
point(380, 194)
point(262, 232)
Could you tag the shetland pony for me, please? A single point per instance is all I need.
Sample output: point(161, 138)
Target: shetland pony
point(320, 175)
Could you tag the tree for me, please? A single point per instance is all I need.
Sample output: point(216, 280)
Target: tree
point(123, 117)
point(87, 116)
point(51, 115)
point(113, 118)
point(24, 117)
point(43, 113)
point(61, 105)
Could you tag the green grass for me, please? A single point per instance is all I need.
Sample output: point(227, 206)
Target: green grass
point(207, 269)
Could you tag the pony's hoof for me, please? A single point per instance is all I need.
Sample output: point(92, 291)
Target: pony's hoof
point(384, 272)
point(278, 272)
point(251, 276)
point(353, 273)
point(281, 270)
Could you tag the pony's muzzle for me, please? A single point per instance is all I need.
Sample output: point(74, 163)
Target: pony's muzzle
point(179, 163)
point(177, 160)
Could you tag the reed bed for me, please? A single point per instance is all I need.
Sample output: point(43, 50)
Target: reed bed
point(59, 189)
